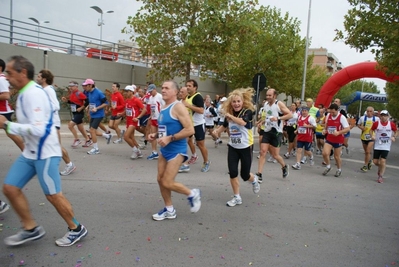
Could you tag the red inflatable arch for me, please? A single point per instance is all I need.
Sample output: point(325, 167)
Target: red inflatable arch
point(346, 75)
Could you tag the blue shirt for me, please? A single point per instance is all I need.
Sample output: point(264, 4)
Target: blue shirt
point(96, 99)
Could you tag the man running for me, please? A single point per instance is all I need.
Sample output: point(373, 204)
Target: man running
point(195, 103)
point(117, 106)
point(383, 132)
point(365, 124)
point(335, 128)
point(276, 112)
point(174, 126)
point(41, 157)
point(155, 101)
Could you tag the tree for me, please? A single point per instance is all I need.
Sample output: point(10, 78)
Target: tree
point(179, 34)
point(374, 24)
point(264, 41)
point(392, 90)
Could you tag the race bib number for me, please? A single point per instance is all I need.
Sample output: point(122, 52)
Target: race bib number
point(92, 106)
point(384, 140)
point(113, 104)
point(302, 130)
point(73, 107)
point(154, 112)
point(235, 138)
point(161, 131)
point(331, 129)
point(367, 136)
point(129, 112)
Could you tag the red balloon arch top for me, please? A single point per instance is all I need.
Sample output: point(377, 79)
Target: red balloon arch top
point(348, 74)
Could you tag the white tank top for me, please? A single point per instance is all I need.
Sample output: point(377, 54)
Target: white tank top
point(272, 111)
point(383, 137)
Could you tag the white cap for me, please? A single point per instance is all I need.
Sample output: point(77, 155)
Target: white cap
point(130, 88)
point(223, 99)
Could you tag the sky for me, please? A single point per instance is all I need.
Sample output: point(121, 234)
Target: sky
point(76, 16)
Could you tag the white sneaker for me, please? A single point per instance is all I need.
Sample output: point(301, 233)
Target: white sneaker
point(108, 138)
point(139, 154)
point(304, 160)
point(164, 214)
point(311, 161)
point(296, 166)
point(195, 201)
point(141, 146)
point(93, 151)
point(68, 170)
point(270, 159)
point(134, 155)
point(76, 143)
point(256, 187)
point(117, 141)
point(234, 201)
point(3, 207)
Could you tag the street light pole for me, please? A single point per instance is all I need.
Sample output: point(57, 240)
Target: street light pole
point(101, 23)
point(306, 55)
point(11, 23)
point(38, 29)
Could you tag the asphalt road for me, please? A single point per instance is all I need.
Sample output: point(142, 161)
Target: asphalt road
point(304, 220)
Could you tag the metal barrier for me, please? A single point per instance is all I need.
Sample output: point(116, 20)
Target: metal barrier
point(37, 36)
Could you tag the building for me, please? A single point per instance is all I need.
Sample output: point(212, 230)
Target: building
point(325, 59)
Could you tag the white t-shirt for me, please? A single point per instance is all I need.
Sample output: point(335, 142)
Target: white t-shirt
point(4, 88)
point(55, 104)
point(155, 102)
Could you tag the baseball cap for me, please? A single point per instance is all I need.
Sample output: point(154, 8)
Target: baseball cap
point(305, 108)
point(384, 112)
point(88, 81)
point(130, 88)
point(151, 87)
point(223, 99)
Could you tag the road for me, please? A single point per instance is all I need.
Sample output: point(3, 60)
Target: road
point(304, 220)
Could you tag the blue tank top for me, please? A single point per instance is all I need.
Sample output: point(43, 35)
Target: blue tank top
point(169, 125)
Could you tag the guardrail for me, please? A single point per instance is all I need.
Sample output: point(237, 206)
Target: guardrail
point(45, 38)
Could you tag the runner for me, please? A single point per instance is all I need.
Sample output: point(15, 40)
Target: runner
point(134, 111)
point(117, 106)
point(276, 112)
point(305, 128)
point(238, 110)
point(41, 157)
point(174, 127)
point(155, 101)
point(77, 102)
point(383, 132)
point(336, 125)
point(365, 123)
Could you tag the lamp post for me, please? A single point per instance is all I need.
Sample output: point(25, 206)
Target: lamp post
point(306, 54)
point(101, 23)
point(38, 29)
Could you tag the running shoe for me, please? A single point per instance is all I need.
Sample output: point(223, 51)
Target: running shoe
point(259, 176)
point(235, 201)
point(117, 141)
point(380, 180)
point(193, 159)
point(347, 150)
point(296, 166)
point(195, 201)
point(139, 154)
point(287, 155)
point(369, 165)
point(108, 138)
point(255, 187)
point(364, 168)
point(68, 170)
point(311, 161)
point(258, 156)
point(76, 143)
point(122, 134)
point(285, 170)
point(184, 168)
point(93, 151)
point(304, 160)
point(154, 155)
point(87, 143)
point(205, 166)
point(24, 236)
point(270, 159)
point(326, 171)
point(318, 152)
point(3, 207)
point(164, 214)
point(337, 173)
point(141, 146)
point(71, 237)
point(134, 155)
